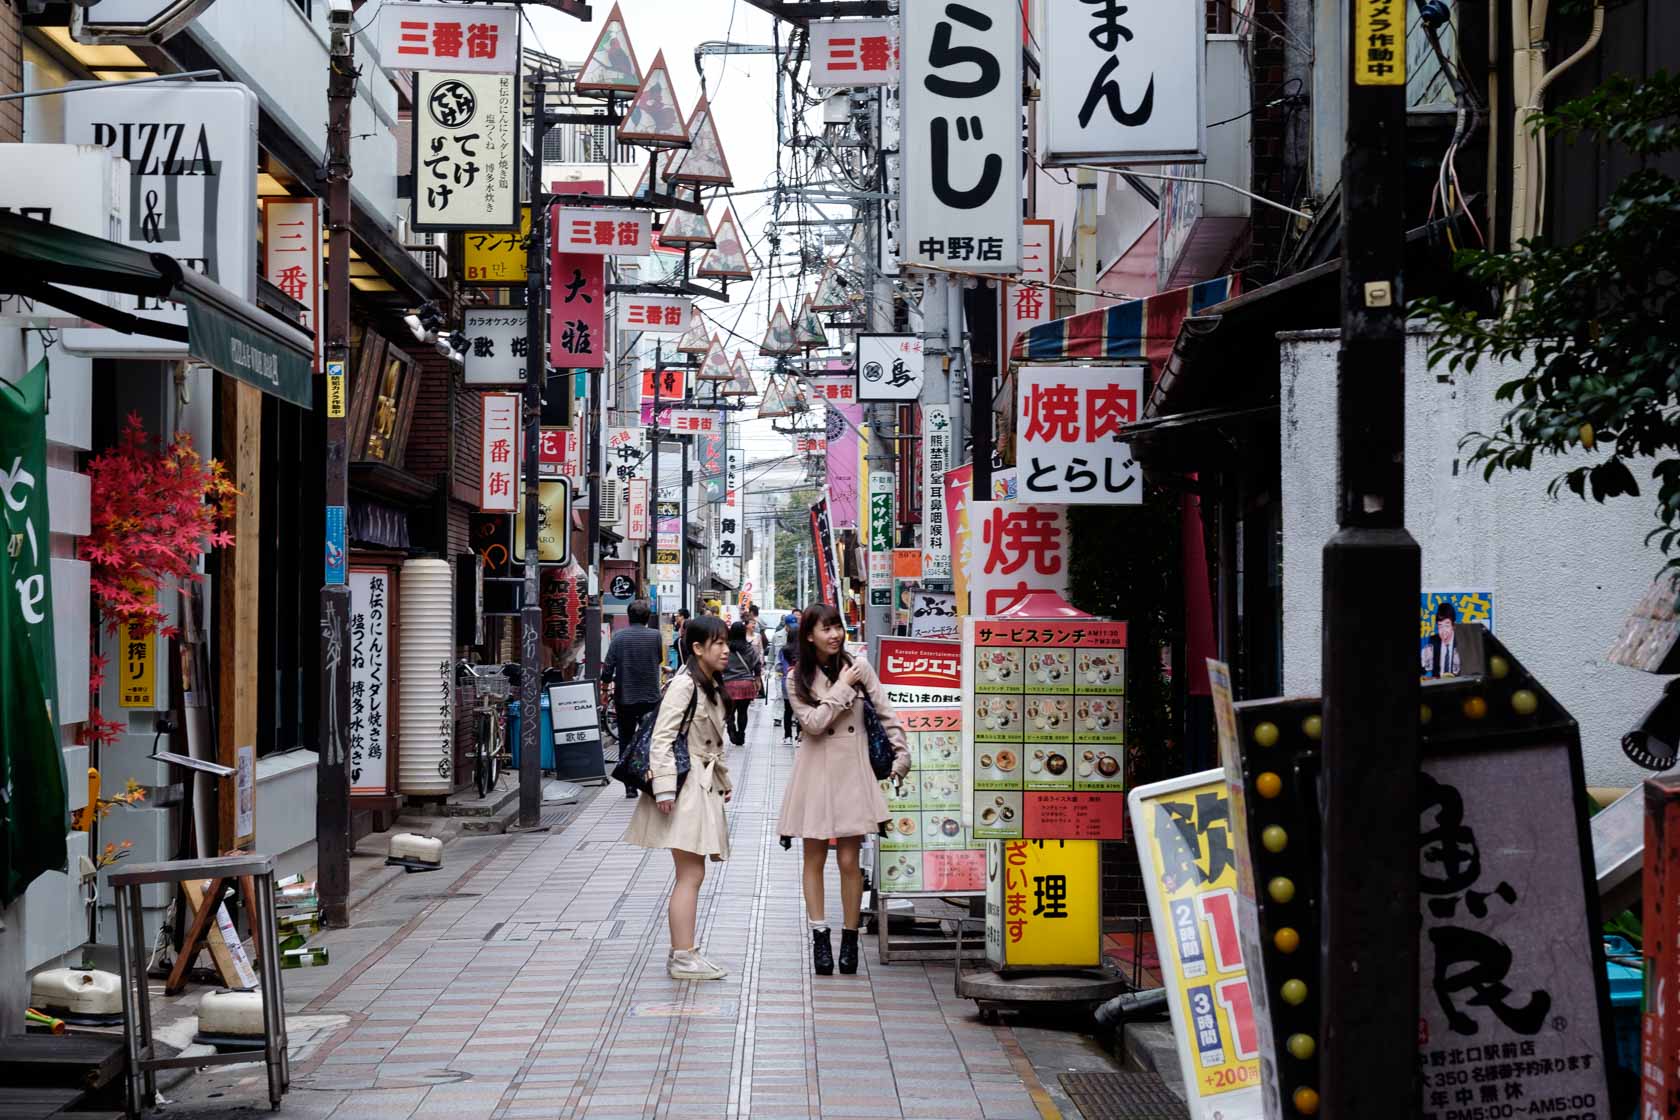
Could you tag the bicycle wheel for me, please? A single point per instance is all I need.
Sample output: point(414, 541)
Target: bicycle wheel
point(484, 758)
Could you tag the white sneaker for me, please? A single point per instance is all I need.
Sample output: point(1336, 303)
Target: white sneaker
point(688, 964)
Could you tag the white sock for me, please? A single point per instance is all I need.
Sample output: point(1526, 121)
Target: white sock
point(820, 926)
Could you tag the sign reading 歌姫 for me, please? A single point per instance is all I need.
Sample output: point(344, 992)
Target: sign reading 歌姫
point(1024, 305)
point(1014, 548)
point(1065, 445)
point(499, 476)
point(919, 671)
point(292, 257)
point(370, 678)
point(854, 52)
point(587, 229)
point(883, 536)
point(1044, 728)
point(926, 850)
point(889, 367)
point(1043, 904)
point(483, 39)
point(1122, 83)
point(960, 178)
point(497, 345)
point(654, 314)
point(936, 460)
point(466, 151)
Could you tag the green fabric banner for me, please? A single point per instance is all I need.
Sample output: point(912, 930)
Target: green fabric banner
point(33, 804)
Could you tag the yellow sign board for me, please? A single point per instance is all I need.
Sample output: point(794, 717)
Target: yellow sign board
point(1379, 42)
point(554, 522)
point(1043, 904)
point(137, 685)
point(496, 256)
point(335, 390)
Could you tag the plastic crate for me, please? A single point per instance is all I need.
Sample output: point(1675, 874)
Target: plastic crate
point(1626, 971)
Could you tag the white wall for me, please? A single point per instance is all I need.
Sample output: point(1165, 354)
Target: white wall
point(1564, 572)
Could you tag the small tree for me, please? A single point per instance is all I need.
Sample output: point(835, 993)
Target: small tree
point(1595, 324)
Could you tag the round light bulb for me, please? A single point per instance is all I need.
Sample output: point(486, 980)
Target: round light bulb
point(1286, 940)
point(1306, 1101)
point(1302, 1046)
point(1294, 992)
point(1475, 708)
point(1274, 838)
point(1313, 727)
point(1524, 702)
point(1499, 667)
point(1281, 890)
point(1268, 785)
point(1266, 734)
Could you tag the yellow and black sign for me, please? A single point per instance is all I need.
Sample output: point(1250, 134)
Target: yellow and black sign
point(667, 556)
point(554, 523)
point(1379, 43)
point(335, 390)
point(137, 685)
point(1043, 904)
point(496, 256)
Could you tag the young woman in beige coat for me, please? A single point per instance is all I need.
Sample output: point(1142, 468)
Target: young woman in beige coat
point(833, 794)
point(689, 819)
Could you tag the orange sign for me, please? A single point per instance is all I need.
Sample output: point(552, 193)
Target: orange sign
point(907, 563)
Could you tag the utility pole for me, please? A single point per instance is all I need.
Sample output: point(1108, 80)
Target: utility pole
point(982, 313)
point(1371, 578)
point(592, 555)
point(332, 767)
point(536, 372)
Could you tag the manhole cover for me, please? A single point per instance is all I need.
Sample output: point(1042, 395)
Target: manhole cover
point(1123, 1096)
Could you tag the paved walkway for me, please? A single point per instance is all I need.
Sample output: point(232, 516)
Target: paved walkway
point(534, 986)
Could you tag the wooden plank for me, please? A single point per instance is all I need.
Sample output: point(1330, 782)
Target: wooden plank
point(60, 1061)
point(36, 1103)
point(202, 922)
point(219, 948)
point(237, 593)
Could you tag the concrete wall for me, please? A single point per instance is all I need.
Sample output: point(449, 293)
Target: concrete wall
point(1564, 572)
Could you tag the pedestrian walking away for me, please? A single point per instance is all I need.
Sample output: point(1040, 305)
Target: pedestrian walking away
point(633, 660)
point(740, 681)
point(833, 793)
point(685, 811)
point(785, 661)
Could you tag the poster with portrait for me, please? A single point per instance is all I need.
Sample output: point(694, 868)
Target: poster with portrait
point(1440, 613)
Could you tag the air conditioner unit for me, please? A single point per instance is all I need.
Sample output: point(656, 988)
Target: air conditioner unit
point(612, 501)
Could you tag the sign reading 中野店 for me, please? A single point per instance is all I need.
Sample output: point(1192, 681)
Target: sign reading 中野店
point(936, 460)
point(1186, 840)
point(916, 672)
point(1044, 728)
point(370, 678)
point(466, 151)
point(498, 481)
point(655, 315)
point(1122, 84)
point(854, 52)
point(883, 535)
point(1043, 904)
point(1013, 549)
point(497, 345)
point(1024, 305)
point(889, 367)
point(483, 39)
point(960, 177)
point(292, 257)
point(590, 230)
point(1065, 439)
point(926, 850)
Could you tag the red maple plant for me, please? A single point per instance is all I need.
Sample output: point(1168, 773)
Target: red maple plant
point(155, 513)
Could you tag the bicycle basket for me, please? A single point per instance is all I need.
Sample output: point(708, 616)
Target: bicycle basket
point(485, 683)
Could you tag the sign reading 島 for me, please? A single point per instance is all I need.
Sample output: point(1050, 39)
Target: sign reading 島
point(1065, 442)
point(889, 367)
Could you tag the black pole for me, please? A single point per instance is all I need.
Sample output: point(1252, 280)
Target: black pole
point(980, 308)
point(653, 484)
point(682, 528)
point(1369, 963)
point(592, 562)
point(536, 369)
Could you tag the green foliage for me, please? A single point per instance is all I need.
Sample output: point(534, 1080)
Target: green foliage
point(1595, 324)
point(792, 527)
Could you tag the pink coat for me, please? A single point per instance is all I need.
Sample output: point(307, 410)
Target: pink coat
point(833, 791)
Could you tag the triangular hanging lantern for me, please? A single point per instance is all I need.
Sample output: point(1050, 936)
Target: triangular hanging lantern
point(729, 260)
point(695, 340)
point(687, 229)
point(655, 120)
point(778, 336)
point(775, 402)
point(611, 65)
point(831, 293)
point(808, 330)
point(716, 365)
point(704, 161)
point(742, 383)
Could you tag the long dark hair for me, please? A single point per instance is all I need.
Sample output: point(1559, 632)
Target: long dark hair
point(702, 630)
point(809, 660)
point(738, 637)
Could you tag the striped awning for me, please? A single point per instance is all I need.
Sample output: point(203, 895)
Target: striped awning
point(1140, 328)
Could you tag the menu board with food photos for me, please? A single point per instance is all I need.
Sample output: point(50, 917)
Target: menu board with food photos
point(926, 849)
point(1044, 745)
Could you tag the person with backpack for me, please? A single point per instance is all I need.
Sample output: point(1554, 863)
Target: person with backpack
point(633, 660)
point(683, 811)
point(740, 681)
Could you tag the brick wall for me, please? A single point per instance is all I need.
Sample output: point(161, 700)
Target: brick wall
point(11, 72)
point(1271, 176)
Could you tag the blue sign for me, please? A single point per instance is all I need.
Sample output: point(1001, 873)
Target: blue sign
point(337, 555)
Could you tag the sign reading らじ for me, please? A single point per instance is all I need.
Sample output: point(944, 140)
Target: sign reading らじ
point(926, 850)
point(466, 151)
point(1069, 418)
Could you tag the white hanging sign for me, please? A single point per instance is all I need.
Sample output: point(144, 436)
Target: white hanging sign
point(588, 229)
point(889, 367)
point(466, 151)
point(1016, 549)
point(292, 257)
point(497, 345)
point(1064, 438)
point(936, 460)
point(636, 510)
point(498, 483)
point(655, 314)
point(370, 678)
point(731, 524)
point(692, 422)
point(960, 185)
point(854, 52)
point(483, 39)
point(1025, 306)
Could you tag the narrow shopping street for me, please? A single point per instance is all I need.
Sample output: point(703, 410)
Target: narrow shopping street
point(535, 986)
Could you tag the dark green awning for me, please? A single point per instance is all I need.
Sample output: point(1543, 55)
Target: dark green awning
point(223, 330)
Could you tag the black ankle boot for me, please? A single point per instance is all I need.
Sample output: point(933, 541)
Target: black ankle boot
point(848, 952)
point(822, 953)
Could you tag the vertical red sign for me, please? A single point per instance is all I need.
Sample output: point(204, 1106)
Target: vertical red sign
point(577, 321)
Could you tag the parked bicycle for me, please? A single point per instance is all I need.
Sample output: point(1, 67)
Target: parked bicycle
point(490, 690)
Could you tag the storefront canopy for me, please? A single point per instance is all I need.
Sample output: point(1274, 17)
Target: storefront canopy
point(1138, 328)
point(38, 259)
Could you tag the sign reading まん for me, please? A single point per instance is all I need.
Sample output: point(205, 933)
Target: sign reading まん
point(889, 367)
point(1122, 82)
point(854, 52)
point(498, 485)
point(1065, 447)
point(483, 39)
point(960, 183)
point(497, 345)
point(466, 151)
point(926, 849)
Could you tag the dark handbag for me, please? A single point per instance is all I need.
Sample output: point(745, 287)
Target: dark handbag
point(635, 765)
point(880, 747)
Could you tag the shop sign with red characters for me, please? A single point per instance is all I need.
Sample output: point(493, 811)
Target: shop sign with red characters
point(921, 671)
point(498, 484)
point(1015, 549)
point(854, 52)
point(842, 390)
point(623, 233)
point(483, 39)
point(1066, 446)
point(654, 314)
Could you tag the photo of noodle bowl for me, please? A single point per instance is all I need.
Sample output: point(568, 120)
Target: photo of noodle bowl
point(1049, 666)
point(997, 713)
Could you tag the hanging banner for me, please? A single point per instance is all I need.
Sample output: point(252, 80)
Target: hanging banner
point(655, 314)
point(25, 521)
point(693, 422)
point(1068, 417)
point(577, 307)
point(370, 678)
point(466, 151)
point(842, 390)
point(917, 671)
point(499, 473)
point(498, 343)
point(496, 256)
point(292, 257)
point(889, 367)
point(854, 52)
point(960, 183)
point(483, 39)
point(1122, 86)
point(883, 535)
point(844, 454)
point(822, 540)
point(936, 460)
point(1017, 548)
point(591, 230)
point(1043, 904)
point(709, 466)
point(1025, 306)
point(636, 510)
point(926, 850)
point(732, 533)
point(959, 482)
point(136, 666)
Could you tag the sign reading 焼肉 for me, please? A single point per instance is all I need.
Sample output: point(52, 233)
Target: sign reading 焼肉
point(1013, 549)
point(370, 678)
point(1044, 728)
point(926, 849)
point(1043, 904)
point(466, 151)
point(1065, 443)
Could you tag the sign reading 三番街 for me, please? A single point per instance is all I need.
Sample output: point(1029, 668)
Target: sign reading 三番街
point(1065, 439)
point(1026, 305)
point(136, 665)
point(499, 465)
point(370, 678)
point(1122, 83)
point(292, 258)
point(1044, 754)
point(1186, 843)
point(936, 460)
point(466, 151)
point(481, 39)
point(854, 52)
point(926, 849)
point(497, 345)
point(960, 177)
point(591, 230)
point(1043, 904)
point(889, 367)
point(655, 315)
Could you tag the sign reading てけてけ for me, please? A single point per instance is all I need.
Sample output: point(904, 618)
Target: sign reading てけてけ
point(1069, 418)
point(466, 151)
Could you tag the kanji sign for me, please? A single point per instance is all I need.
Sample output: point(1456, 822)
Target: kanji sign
point(588, 229)
point(883, 536)
point(577, 307)
point(810, 445)
point(497, 345)
point(136, 664)
point(466, 151)
point(1379, 43)
point(1014, 548)
point(842, 389)
point(889, 367)
point(1122, 82)
point(1043, 904)
point(636, 510)
point(854, 52)
point(1025, 306)
point(936, 460)
point(560, 454)
point(483, 39)
point(1065, 436)
point(667, 384)
point(654, 314)
point(921, 671)
point(292, 257)
point(692, 422)
point(926, 849)
point(496, 256)
point(960, 183)
point(370, 678)
point(499, 478)
point(732, 530)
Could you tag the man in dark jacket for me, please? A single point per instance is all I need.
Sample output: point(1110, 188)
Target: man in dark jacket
point(634, 658)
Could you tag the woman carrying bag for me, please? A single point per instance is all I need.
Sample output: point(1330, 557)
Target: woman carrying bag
point(740, 681)
point(834, 793)
point(684, 811)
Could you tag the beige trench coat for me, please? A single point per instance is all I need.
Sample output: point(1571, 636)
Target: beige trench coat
point(833, 791)
point(696, 823)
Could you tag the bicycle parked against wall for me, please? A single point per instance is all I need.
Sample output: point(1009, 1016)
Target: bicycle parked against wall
point(490, 689)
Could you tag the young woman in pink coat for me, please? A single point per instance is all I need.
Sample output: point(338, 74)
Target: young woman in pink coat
point(833, 794)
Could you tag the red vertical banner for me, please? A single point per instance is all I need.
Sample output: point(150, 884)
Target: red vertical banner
point(577, 314)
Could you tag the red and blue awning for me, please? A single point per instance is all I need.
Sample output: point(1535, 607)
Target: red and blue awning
point(1137, 329)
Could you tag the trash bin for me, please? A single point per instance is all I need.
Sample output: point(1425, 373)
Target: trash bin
point(546, 733)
